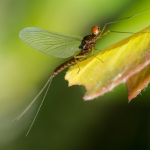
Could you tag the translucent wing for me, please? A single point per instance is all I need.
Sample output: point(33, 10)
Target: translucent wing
point(51, 43)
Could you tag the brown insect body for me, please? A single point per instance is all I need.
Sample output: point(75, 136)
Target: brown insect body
point(86, 47)
point(88, 42)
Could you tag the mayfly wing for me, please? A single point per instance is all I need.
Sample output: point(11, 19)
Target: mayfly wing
point(51, 43)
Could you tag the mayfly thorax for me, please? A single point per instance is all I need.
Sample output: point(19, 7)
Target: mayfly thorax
point(62, 46)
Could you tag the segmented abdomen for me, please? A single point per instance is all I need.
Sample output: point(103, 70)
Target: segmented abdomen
point(70, 62)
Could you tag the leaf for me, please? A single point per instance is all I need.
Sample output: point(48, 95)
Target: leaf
point(124, 62)
point(137, 82)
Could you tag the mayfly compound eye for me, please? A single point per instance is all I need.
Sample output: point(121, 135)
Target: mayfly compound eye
point(95, 30)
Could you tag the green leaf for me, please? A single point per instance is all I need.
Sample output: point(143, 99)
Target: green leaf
point(124, 62)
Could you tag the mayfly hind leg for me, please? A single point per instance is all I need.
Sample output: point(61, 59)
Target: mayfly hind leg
point(80, 57)
point(96, 56)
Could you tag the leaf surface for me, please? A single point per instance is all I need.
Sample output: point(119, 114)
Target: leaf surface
point(124, 62)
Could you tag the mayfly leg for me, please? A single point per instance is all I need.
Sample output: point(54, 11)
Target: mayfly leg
point(103, 29)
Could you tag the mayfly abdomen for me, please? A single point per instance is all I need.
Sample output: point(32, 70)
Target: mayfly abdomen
point(70, 62)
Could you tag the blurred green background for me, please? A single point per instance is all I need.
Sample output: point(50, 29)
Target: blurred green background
point(66, 121)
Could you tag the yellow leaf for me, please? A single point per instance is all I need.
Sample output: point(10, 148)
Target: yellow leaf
point(137, 82)
point(120, 61)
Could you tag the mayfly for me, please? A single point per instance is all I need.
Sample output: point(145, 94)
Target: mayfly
point(62, 46)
